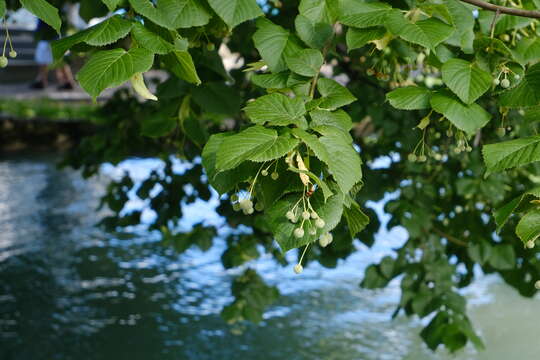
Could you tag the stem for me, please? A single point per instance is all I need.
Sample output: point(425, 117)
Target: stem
point(492, 28)
point(504, 10)
point(450, 238)
point(303, 253)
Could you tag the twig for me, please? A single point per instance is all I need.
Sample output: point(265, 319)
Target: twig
point(504, 10)
point(450, 238)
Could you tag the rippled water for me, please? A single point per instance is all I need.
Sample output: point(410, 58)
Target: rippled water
point(70, 291)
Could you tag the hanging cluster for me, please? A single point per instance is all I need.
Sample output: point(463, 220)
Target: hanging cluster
point(12, 53)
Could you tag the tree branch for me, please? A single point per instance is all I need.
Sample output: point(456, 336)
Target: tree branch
point(504, 10)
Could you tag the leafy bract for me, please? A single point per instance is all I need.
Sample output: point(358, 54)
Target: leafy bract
point(513, 153)
point(410, 98)
point(234, 12)
point(173, 14)
point(113, 67)
point(465, 79)
point(277, 110)
point(469, 118)
point(45, 11)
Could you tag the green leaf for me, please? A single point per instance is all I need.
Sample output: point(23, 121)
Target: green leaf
point(318, 11)
point(104, 33)
point(362, 14)
point(45, 11)
point(271, 81)
point(513, 153)
point(173, 14)
point(480, 252)
point(281, 147)
point(465, 79)
point(277, 110)
point(335, 95)
point(339, 119)
point(527, 50)
point(217, 98)
point(502, 257)
point(469, 118)
point(463, 20)
point(410, 98)
point(234, 12)
point(180, 63)
point(2, 8)
point(306, 62)
point(503, 213)
point(150, 40)
point(356, 219)
point(345, 165)
point(356, 38)
point(246, 144)
point(528, 227)
point(315, 35)
point(429, 33)
point(274, 43)
point(110, 68)
point(158, 124)
point(313, 142)
point(330, 211)
point(112, 4)
point(526, 93)
point(226, 180)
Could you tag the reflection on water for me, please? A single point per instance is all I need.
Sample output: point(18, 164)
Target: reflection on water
point(71, 291)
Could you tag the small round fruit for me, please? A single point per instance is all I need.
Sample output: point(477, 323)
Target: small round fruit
point(246, 204)
point(312, 231)
point(274, 176)
point(459, 209)
point(314, 215)
point(422, 158)
point(505, 37)
point(210, 46)
point(412, 158)
point(468, 148)
point(13, 54)
point(306, 215)
point(298, 233)
point(496, 82)
point(3, 61)
point(505, 83)
point(537, 284)
point(259, 206)
point(289, 215)
point(530, 244)
point(236, 207)
point(234, 197)
point(501, 131)
point(449, 133)
point(249, 211)
point(319, 223)
point(264, 172)
point(298, 268)
point(517, 77)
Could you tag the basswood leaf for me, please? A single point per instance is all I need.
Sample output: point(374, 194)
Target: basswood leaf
point(173, 14)
point(528, 227)
point(150, 40)
point(410, 98)
point(110, 68)
point(356, 38)
point(112, 4)
point(330, 211)
point(306, 62)
point(234, 12)
point(283, 145)
point(218, 98)
point(180, 63)
point(502, 257)
point(469, 118)
point(45, 11)
point(277, 110)
point(334, 94)
point(271, 81)
point(101, 34)
point(503, 213)
point(314, 34)
point(526, 93)
point(356, 219)
point(527, 50)
point(226, 180)
point(319, 11)
point(362, 14)
point(313, 142)
point(246, 144)
point(339, 119)
point(463, 21)
point(429, 33)
point(513, 153)
point(465, 79)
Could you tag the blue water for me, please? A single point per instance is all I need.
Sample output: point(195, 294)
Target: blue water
point(69, 290)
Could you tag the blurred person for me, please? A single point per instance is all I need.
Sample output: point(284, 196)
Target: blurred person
point(44, 34)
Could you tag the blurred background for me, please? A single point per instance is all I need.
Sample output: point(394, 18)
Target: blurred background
point(70, 289)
